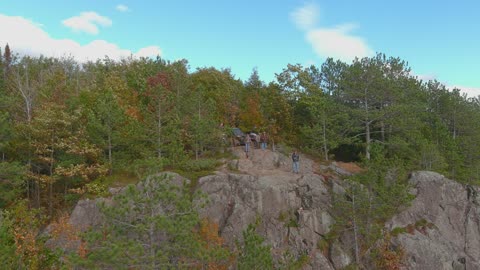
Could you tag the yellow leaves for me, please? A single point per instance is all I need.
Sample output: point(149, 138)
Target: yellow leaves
point(85, 171)
point(42, 178)
point(94, 188)
point(60, 151)
point(80, 191)
point(82, 149)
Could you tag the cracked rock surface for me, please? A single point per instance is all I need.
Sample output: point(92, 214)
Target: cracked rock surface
point(451, 239)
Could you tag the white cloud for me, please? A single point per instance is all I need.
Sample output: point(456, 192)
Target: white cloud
point(149, 51)
point(28, 38)
point(337, 42)
point(305, 17)
point(425, 77)
point(470, 91)
point(87, 22)
point(122, 8)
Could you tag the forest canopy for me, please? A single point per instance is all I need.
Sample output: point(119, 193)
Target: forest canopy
point(65, 124)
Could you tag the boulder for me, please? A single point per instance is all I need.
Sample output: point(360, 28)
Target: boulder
point(86, 214)
point(340, 259)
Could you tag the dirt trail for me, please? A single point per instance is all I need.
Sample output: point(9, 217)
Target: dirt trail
point(266, 162)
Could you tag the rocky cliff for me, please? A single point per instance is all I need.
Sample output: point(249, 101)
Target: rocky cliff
point(293, 208)
point(442, 226)
point(440, 230)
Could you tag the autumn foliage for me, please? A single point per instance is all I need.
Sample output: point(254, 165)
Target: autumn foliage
point(211, 240)
point(64, 232)
point(389, 258)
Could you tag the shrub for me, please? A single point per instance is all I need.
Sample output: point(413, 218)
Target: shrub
point(145, 167)
point(254, 254)
point(398, 230)
point(199, 165)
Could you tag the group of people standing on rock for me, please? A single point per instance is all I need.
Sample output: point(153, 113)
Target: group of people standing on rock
point(263, 139)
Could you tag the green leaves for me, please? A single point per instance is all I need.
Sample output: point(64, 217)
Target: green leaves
point(12, 182)
point(20, 244)
point(254, 254)
point(371, 198)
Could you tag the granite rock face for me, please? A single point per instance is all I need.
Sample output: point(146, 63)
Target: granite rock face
point(445, 219)
point(293, 210)
point(441, 227)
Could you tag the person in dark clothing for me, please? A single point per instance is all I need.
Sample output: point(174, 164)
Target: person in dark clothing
point(296, 162)
point(248, 140)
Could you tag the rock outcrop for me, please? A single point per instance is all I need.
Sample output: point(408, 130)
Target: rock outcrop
point(442, 226)
point(293, 209)
point(439, 230)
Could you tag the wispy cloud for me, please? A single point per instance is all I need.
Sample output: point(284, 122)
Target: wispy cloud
point(305, 17)
point(87, 22)
point(28, 38)
point(337, 42)
point(122, 8)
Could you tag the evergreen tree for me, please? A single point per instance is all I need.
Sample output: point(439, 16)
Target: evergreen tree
point(371, 198)
point(12, 182)
point(7, 56)
point(150, 226)
point(254, 254)
point(105, 121)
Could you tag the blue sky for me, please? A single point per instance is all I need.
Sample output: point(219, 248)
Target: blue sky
point(439, 39)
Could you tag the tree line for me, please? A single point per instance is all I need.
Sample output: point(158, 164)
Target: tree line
point(65, 124)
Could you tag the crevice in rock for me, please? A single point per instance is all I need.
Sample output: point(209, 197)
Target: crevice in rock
point(465, 226)
point(471, 194)
point(317, 233)
point(230, 208)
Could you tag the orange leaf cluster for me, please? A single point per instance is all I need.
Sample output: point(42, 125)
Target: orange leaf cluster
point(62, 229)
point(389, 258)
point(209, 233)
